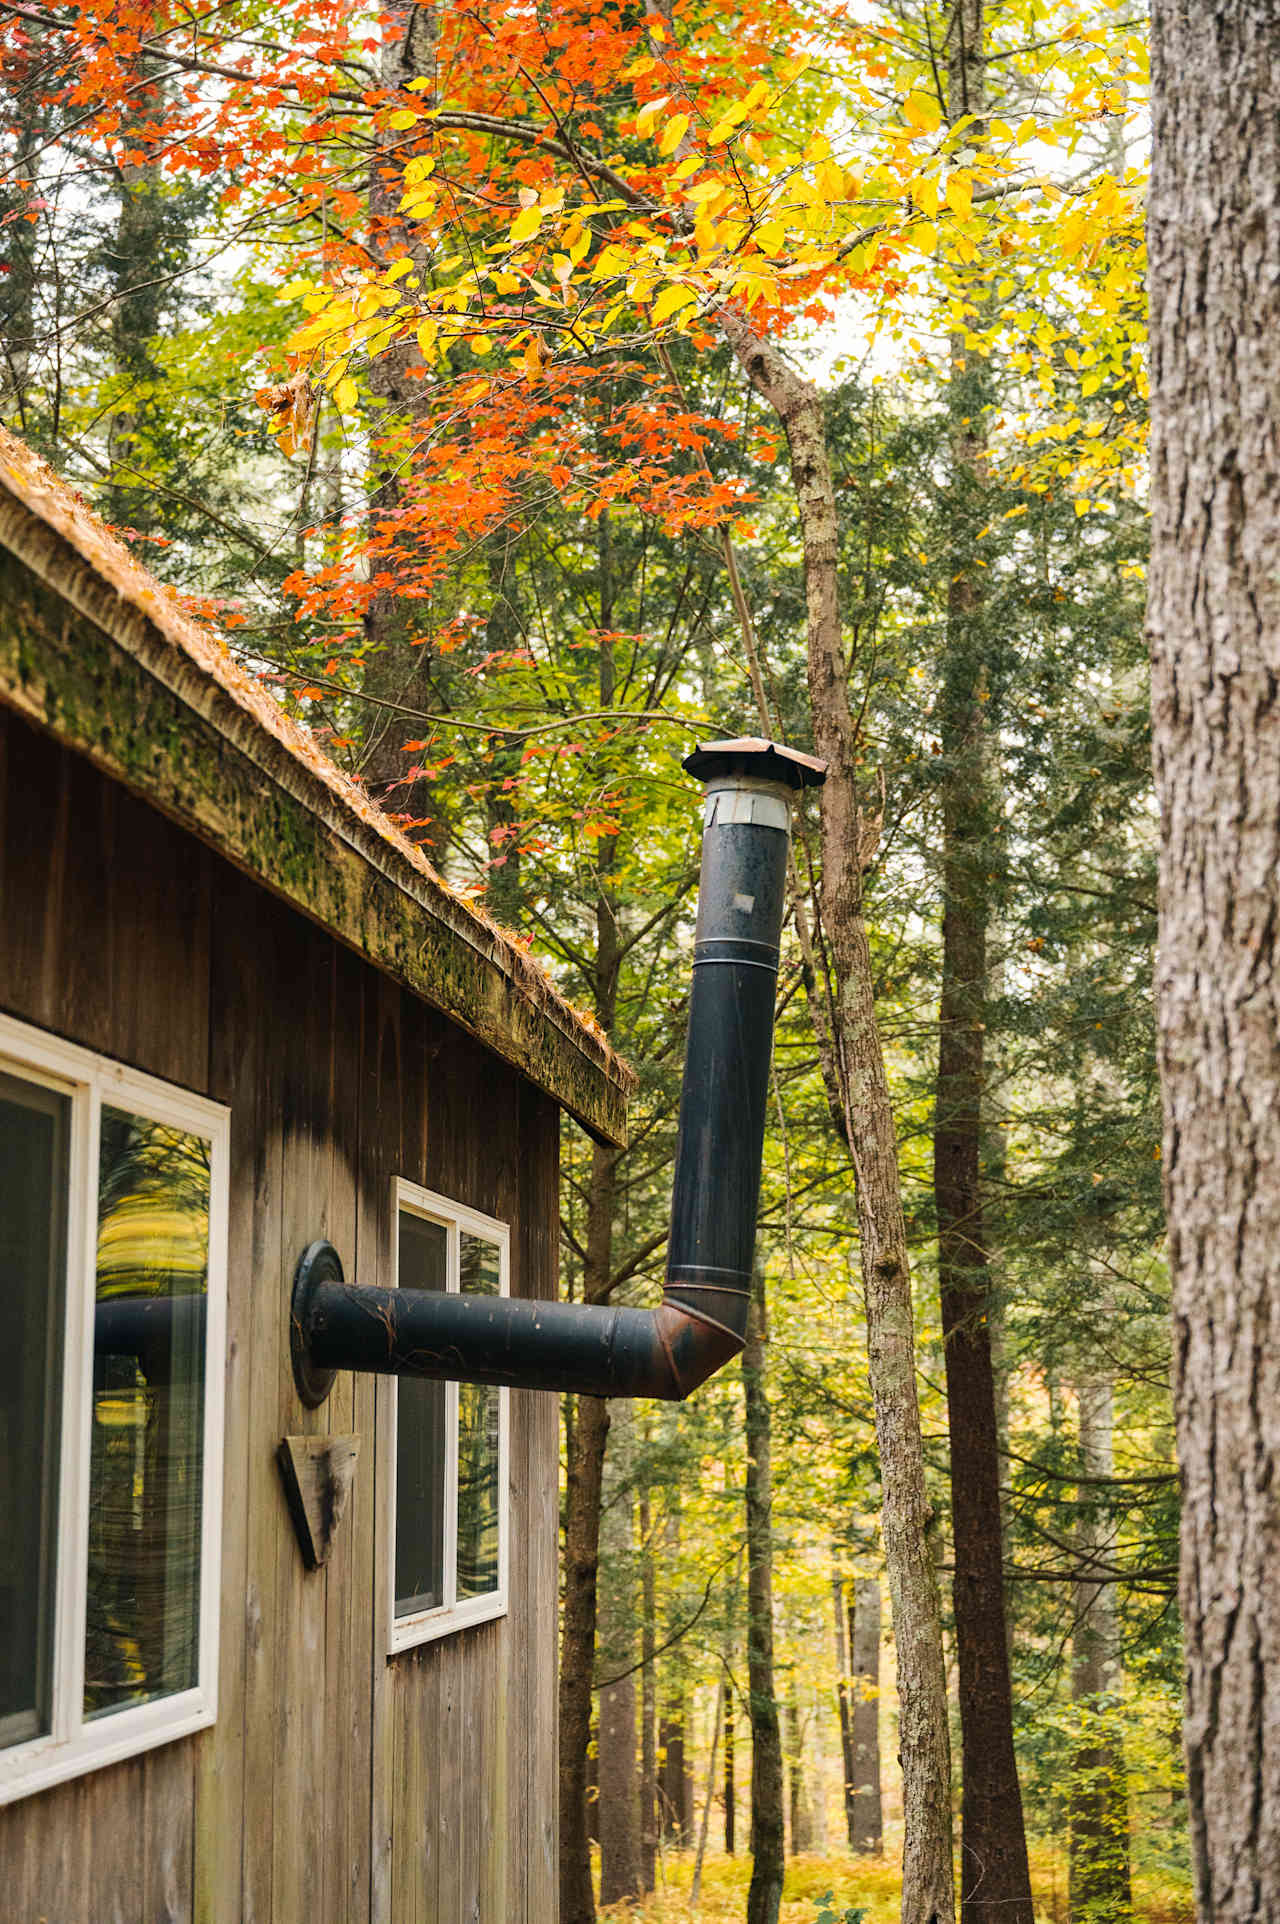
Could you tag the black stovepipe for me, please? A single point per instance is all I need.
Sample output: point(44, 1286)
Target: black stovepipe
point(595, 1349)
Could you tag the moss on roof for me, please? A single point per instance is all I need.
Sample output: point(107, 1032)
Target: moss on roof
point(399, 912)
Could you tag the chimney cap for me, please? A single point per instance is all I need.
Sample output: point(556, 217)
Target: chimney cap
point(753, 755)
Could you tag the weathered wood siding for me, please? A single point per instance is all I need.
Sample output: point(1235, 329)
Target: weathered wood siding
point(337, 1786)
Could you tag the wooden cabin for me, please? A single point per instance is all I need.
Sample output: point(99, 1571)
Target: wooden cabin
point(240, 1012)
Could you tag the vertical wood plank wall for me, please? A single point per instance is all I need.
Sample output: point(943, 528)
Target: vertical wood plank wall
point(337, 1787)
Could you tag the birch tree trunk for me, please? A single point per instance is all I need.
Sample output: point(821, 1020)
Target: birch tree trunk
point(924, 1737)
point(1214, 619)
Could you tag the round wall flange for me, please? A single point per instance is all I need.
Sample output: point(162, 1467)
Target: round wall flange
point(318, 1263)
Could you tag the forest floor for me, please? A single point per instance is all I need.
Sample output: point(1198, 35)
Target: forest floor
point(864, 1892)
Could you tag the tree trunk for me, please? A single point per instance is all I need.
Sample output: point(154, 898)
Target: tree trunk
point(768, 1866)
point(800, 1807)
point(843, 1686)
point(1214, 616)
point(585, 1454)
point(695, 1888)
point(730, 1788)
point(1099, 1801)
point(648, 1698)
point(396, 670)
point(577, 1648)
point(995, 1877)
point(847, 838)
point(619, 1792)
point(867, 1825)
point(675, 1782)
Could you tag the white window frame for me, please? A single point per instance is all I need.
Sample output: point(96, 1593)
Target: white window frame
point(73, 1746)
point(406, 1633)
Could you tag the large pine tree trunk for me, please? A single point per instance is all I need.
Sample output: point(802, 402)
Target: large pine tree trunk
point(867, 1830)
point(867, 1115)
point(1214, 614)
point(768, 1866)
point(1099, 1803)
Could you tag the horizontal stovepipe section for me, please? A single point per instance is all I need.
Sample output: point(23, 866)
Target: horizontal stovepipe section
point(594, 1349)
point(589, 1348)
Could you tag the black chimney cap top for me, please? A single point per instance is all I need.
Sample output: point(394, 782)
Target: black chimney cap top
point(753, 755)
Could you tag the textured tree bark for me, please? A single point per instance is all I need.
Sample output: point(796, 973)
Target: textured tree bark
point(924, 1736)
point(867, 1832)
point(768, 1865)
point(1099, 1800)
point(1214, 620)
point(995, 1877)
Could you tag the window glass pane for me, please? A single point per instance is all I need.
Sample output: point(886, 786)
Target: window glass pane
point(420, 1439)
point(478, 1407)
point(145, 1470)
point(34, 1130)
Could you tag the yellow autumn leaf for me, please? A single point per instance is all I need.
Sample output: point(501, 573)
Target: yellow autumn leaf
point(525, 225)
point(427, 332)
point(960, 195)
point(772, 237)
point(673, 133)
point(671, 300)
point(402, 118)
point(344, 395)
point(925, 236)
point(924, 192)
point(922, 113)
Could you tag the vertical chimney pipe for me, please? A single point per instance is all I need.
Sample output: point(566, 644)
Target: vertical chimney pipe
point(597, 1349)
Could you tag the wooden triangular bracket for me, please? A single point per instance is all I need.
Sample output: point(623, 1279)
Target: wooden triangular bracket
point(317, 1472)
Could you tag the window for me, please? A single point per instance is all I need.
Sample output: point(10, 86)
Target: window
point(113, 1210)
point(449, 1454)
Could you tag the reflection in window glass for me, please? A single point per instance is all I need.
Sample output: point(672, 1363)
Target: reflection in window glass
point(34, 1125)
point(478, 1416)
point(145, 1473)
point(420, 1439)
